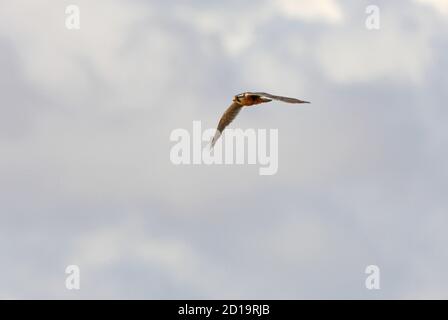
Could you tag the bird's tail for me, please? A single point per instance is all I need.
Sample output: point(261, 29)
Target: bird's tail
point(215, 138)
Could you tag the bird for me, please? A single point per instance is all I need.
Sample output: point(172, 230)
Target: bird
point(246, 99)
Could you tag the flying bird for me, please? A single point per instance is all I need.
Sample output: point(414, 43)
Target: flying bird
point(246, 99)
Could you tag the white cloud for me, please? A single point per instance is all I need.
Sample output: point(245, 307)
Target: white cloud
point(355, 56)
point(162, 255)
point(311, 10)
point(63, 63)
point(441, 6)
point(238, 29)
point(235, 29)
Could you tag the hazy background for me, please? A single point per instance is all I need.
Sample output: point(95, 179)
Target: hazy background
point(85, 175)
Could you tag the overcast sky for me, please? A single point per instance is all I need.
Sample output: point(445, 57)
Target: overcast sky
point(86, 178)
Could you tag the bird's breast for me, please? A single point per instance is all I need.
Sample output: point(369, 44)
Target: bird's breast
point(249, 101)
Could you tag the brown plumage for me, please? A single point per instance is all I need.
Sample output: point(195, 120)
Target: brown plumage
point(244, 100)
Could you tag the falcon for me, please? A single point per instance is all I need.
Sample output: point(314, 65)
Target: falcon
point(246, 99)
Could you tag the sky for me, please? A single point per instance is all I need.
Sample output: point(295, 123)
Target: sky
point(85, 171)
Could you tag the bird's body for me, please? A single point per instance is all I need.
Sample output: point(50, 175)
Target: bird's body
point(245, 100)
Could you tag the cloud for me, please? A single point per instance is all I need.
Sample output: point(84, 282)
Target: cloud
point(363, 57)
point(99, 251)
point(238, 30)
point(308, 10)
point(441, 6)
point(394, 53)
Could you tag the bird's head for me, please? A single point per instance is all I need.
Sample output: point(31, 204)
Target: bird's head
point(238, 98)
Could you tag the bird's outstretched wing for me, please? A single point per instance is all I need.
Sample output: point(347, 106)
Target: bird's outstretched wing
point(280, 98)
point(226, 119)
